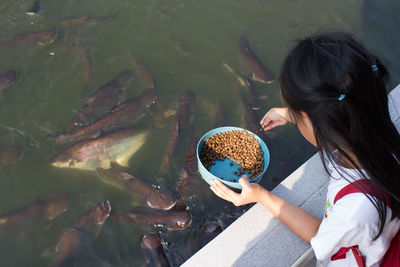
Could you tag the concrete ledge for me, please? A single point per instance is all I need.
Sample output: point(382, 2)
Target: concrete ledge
point(394, 106)
point(257, 238)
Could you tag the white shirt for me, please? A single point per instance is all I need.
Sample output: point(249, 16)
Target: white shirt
point(353, 220)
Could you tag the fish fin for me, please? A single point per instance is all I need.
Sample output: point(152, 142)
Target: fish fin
point(3, 220)
point(241, 81)
point(49, 252)
point(126, 176)
point(227, 67)
point(94, 135)
point(117, 107)
point(105, 164)
point(123, 161)
point(96, 230)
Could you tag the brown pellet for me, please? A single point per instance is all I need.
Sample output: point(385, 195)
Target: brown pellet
point(239, 146)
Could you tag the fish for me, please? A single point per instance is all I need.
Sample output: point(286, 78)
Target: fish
point(46, 208)
point(182, 121)
point(100, 102)
point(70, 244)
point(181, 47)
point(94, 217)
point(256, 69)
point(82, 20)
point(144, 73)
point(166, 10)
point(170, 220)
point(150, 194)
point(35, 8)
point(189, 168)
point(153, 251)
point(78, 45)
point(253, 97)
point(74, 238)
point(189, 177)
point(46, 36)
point(10, 154)
point(90, 154)
point(123, 114)
point(251, 122)
point(7, 78)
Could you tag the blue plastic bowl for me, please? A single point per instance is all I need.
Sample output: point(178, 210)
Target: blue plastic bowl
point(223, 168)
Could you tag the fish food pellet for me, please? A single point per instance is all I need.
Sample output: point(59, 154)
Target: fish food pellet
point(239, 146)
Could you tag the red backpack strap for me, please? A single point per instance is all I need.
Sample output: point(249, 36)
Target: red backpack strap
point(341, 254)
point(392, 255)
point(356, 187)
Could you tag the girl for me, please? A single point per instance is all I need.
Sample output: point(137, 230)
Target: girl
point(334, 90)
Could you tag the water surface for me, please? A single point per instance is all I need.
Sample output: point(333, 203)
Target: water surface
point(51, 86)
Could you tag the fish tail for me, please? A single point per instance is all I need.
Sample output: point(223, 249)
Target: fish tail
point(227, 67)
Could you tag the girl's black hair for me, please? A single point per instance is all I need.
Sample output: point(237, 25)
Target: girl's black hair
point(332, 78)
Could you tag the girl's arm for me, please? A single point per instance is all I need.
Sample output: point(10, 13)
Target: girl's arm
point(299, 221)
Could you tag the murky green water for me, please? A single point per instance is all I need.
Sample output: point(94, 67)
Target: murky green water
point(51, 88)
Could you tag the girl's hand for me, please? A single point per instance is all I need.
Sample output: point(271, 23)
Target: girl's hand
point(251, 192)
point(275, 117)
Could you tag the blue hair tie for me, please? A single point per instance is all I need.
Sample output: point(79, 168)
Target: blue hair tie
point(341, 97)
point(374, 67)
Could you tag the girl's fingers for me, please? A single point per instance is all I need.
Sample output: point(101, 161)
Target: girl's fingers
point(270, 126)
point(265, 120)
point(223, 191)
point(218, 193)
point(273, 124)
point(243, 181)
